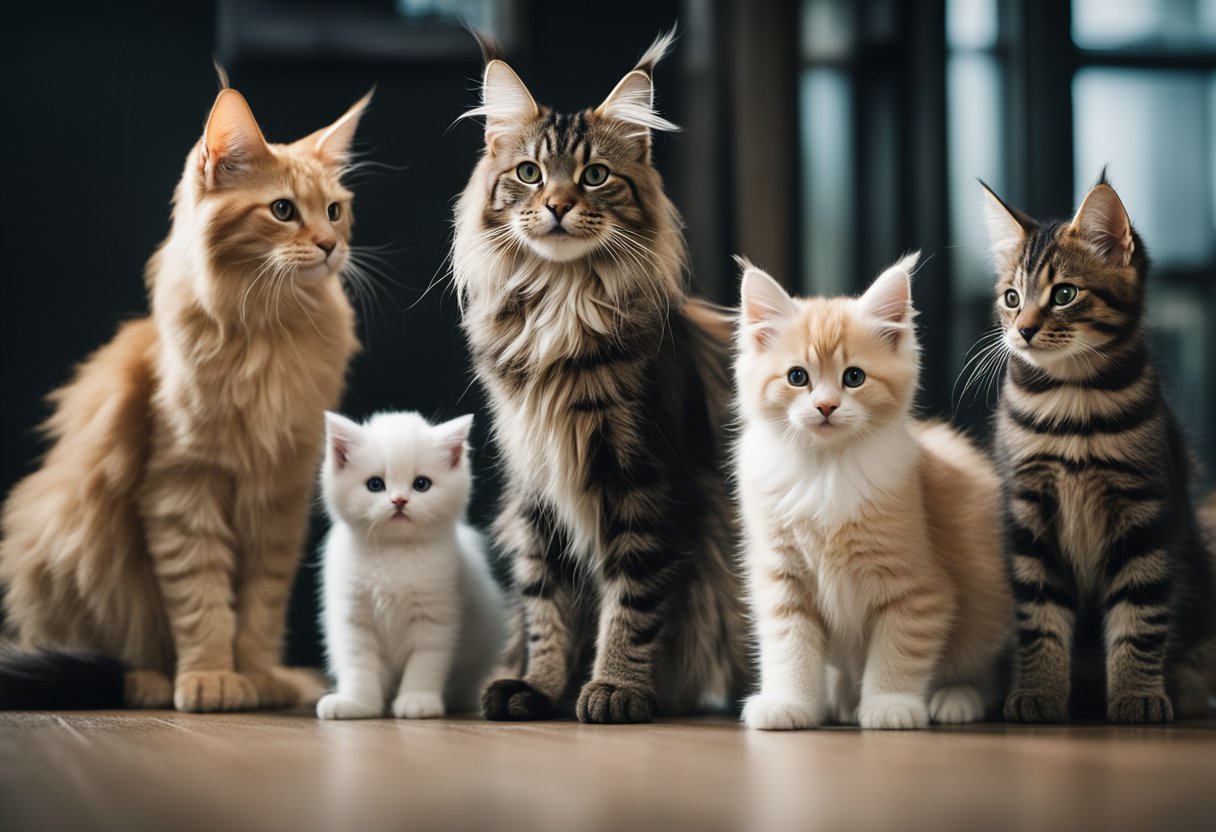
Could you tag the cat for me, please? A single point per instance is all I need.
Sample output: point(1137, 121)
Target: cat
point(874, 560)
point(608, 388)
point(412, 614)
point(163, 530)
point(1116, 595)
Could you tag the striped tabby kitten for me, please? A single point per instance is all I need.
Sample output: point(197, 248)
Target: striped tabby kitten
point(1116, 594)
point(608, 393)
point(874, 567)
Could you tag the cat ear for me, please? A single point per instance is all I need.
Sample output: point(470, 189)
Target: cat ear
point(632, 100)
point(1102, 220)
point(232, 140)
point(764, 303)
point(1007, 227)
point(332, 144)
point(341, 435)
point(505, 102)
point(888, 301)
point(453, 435)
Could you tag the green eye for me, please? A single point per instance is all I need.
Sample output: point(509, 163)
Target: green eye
point(1012, 299)
point(797, 377)
point(283, 209)
point(594, 175)
point(1063, 294)
point(528, 173)
point(854, 376)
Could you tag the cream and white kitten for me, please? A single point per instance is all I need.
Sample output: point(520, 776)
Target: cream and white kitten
point(412, 615)
point(872, 540)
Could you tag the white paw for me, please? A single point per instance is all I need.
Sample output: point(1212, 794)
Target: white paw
point(955, 705)
point(340, 706)
point(765, 712)
point(898, 711)
point(418, 706)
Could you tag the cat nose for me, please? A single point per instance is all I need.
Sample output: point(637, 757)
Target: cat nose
point(559, 207)
point(1028, 332)
point(326, 246)
point(826, 409)
point(400, 502)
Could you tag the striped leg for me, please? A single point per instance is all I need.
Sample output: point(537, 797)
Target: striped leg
point(192, 556)
point(1137, 627)
point(1046, 622)
point(546, 595)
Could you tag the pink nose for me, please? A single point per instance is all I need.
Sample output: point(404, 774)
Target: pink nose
point(400, 502)
point(826, 409)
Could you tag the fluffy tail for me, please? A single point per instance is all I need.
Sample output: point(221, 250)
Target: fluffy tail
point(52, 680)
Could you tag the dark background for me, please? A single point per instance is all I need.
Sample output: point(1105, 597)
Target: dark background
point(822, 138)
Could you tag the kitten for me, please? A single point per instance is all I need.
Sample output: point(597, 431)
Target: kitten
point(164, 527)
point(412, 615)
point(1116, 594)
point(874, 562)
point(608, 389)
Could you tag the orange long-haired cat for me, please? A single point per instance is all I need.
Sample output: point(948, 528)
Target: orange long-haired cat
point(151, 557)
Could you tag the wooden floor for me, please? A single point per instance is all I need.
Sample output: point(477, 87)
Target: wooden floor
point(135, 771)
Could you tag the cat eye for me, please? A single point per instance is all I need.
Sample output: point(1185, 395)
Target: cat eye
point(375, 485)
point(594, 175)
point(422, 484)
point(528, 173)
point(797, 377)
point(1012, 299)
point(334, 211)
point(283, 209)
point(1063, 294)
point(854, 376)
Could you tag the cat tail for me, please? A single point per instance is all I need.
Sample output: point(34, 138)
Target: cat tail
point(712, 330)
point(58, 680)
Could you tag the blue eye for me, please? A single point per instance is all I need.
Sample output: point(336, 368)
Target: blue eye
point(422, 484)
point(854, 376)
point(797, 377)
point(375, 484)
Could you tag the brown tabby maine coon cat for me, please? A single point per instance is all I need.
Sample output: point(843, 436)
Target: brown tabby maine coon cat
point(874, 559)
point(163, 530)
point(609, 400)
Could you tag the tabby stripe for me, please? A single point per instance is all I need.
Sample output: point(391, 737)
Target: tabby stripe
point(1110, 300)
point(1136, 542)
point(1118, 375)
point(1141, 595)
point(633, 188)
point(1145, 642)
point(611, 352)
point(535, 589)
point(641, 637)
point(592, 405)
point(1078, 465)
point(648, 600)
point(1130, 418)
point(1026, 543)
point(1032, 635)
point(1042, 593)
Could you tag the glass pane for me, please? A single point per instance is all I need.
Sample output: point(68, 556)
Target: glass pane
point(1151, 127)
point(1126, 24)
point(971, 24)
point(826, 114)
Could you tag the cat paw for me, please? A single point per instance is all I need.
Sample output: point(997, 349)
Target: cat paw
point(515, 699)
point(765, 712)
point(608, 703)
point(1025, 705)
point(205, 691)
point(418, 706)
point(893, 711)
point(1143, 709)
point(955, 705)
point(341, 706)
point(147, 689)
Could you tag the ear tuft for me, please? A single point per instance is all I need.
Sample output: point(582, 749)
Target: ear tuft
point(764, 303)
point(454, 436)
point(333, 143)
point(1103, 222)
point(505, 102)
point(341, 436)
point(232, 140)
point(888, 301)
point(1007, 227)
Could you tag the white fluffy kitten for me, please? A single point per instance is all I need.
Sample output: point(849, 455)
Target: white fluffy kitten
point(412, 615)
